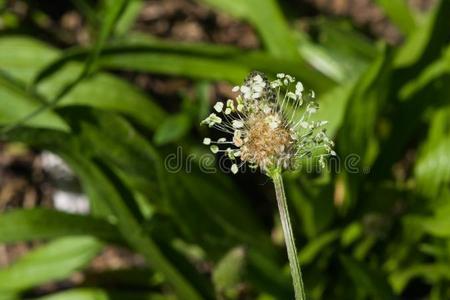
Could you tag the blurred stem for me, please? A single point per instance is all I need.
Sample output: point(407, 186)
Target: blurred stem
point(288, 236)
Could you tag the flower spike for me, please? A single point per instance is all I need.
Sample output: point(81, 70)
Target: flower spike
point(269, 124)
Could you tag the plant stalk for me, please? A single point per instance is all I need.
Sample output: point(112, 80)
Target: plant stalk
point(294, 263)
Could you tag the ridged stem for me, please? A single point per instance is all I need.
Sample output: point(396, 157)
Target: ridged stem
point(294, 263)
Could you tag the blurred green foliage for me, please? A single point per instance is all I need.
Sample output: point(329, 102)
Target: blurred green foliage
point(382, 232)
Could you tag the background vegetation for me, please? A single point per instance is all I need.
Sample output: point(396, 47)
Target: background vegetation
point(379, 233)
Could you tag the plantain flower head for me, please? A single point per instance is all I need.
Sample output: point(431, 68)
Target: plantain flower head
point(268, 125)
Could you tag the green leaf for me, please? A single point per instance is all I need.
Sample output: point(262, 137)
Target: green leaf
point(311, 250)
point(112, 198)
point(96, 92)
point(38, 223)
point(351, 233)
point(99, 294)
point(9, 296)
point(140, 52)
point(228, 274)
point(269, 21)
point(438, 226)
point(357, 134)
point(194, 60)
point(366, 280)
point(23, 57)
point(333, 106)
point(426, 43)
point(17, 104)
point(232, 68)
point(108, 187)
point(340, 52)
point(432, 167)
point(399, 13)
point(228, 215)
point(366, 102)
point(172, 129)
point(128, 17)
point(124, 148)
point(313, 204)
point(430, 272)
point(111, 16)
point(54, 261)
point(34, 58)
point(431, 74)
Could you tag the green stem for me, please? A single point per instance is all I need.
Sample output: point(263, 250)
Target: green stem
point(288, 236)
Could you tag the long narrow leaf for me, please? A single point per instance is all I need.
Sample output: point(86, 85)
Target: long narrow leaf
point(35, 224)
point(268, 19)
point(54, 261)
point(99, 294)
point(399, 13)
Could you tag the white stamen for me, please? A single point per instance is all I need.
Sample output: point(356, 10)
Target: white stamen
point(238, 124)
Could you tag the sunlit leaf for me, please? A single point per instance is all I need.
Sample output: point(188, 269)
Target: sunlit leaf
point(54, 261)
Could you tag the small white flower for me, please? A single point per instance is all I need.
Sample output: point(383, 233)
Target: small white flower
point(258, 88)
point(218, 107)
point(266, 109)
point(273, 121)
point(311, 110)
point(299, 87)
point(237, 140)
point(230, 104)
point(212, 119)
point(291, 95)
point(234, 168)
point(236, 89)
point(214, 149)
point(237, 124)
point(258, 78)
point(245, 89)
point(256, 95)
point(206, 141)
point(275, 84)
point(290, 78)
